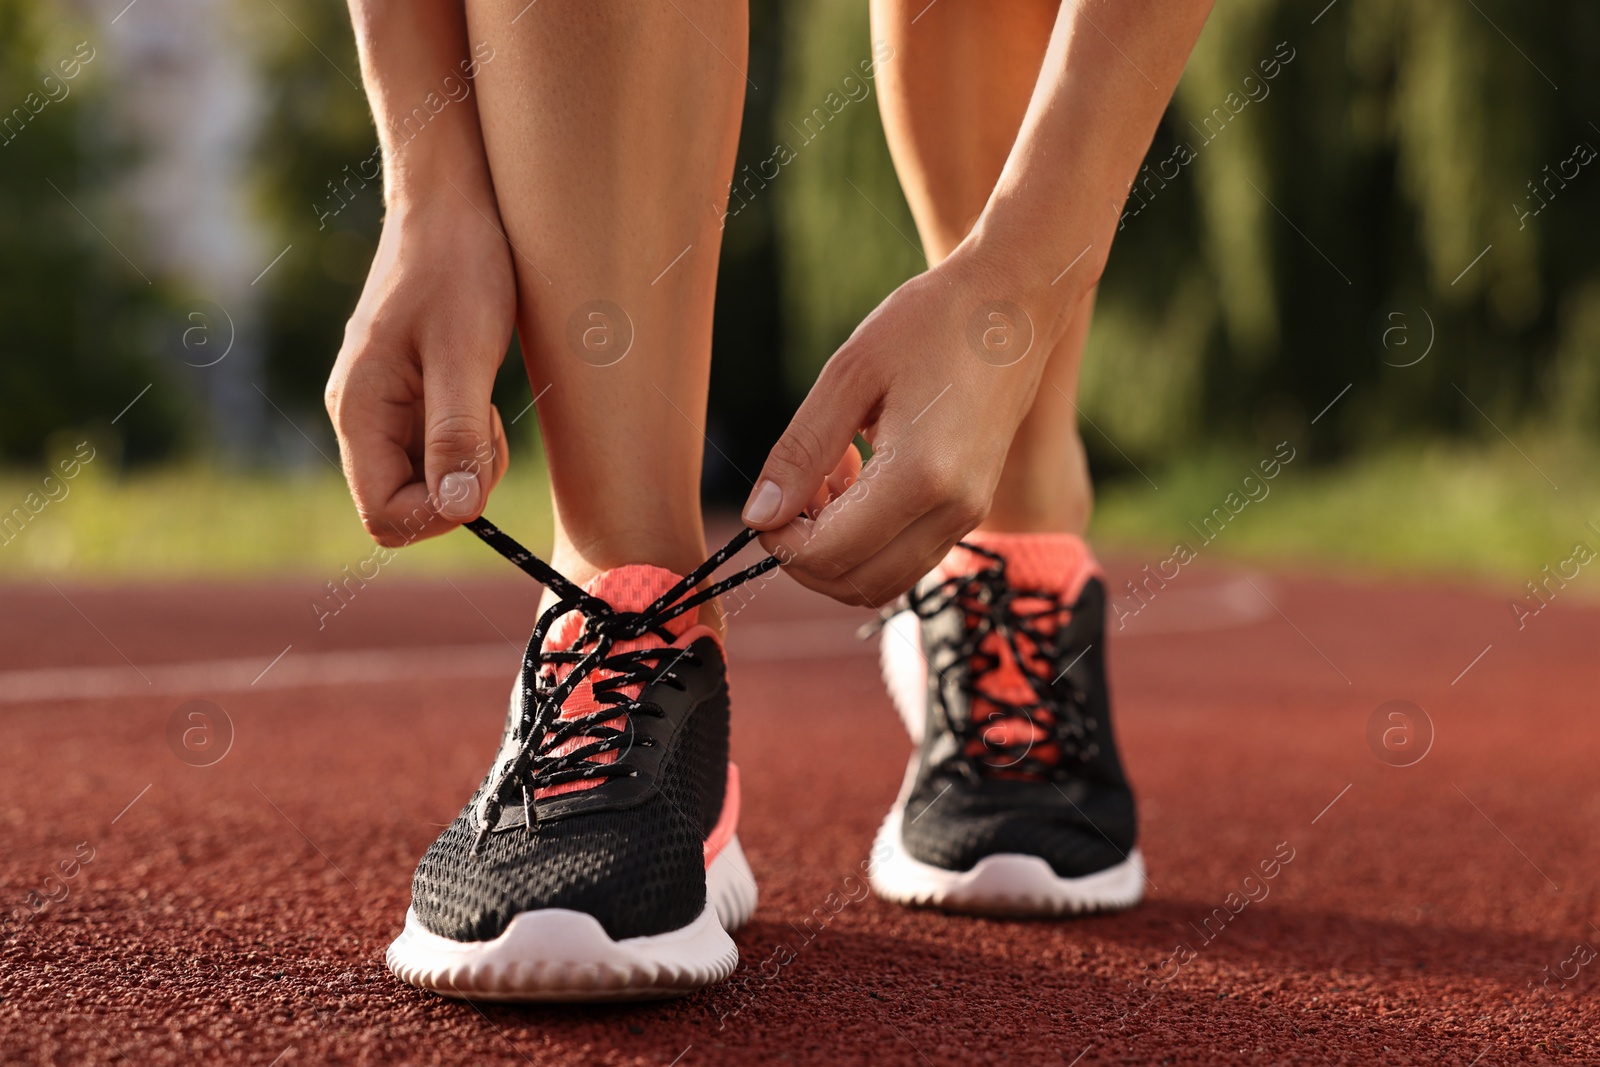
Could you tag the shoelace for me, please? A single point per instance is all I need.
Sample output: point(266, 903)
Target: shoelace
point(542, 729)
point(990, 606)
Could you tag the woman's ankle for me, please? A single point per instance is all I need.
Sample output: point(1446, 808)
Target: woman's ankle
point(679, 553)
point(1059, 499)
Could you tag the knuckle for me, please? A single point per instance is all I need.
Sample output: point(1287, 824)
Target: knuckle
point(456, 435)
point(827, 566)
point(970, 508)
point(848, 368)
point(337, 394)
point(941, 481)
point(336, 391)
point(798, 450)
point(382, 531)
point(948, 482)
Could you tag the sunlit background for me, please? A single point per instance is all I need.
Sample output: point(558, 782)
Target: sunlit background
point(1391, 264)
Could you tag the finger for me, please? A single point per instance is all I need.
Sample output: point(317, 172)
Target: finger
point(459, 443)
point(916, 552)
point(836, 483)
point(850, 530)
point(896, 489)
point(838, 405)
point(389, 494)
point(502, 449)
point(895, 568)
point(373, 399)
point(845, 474)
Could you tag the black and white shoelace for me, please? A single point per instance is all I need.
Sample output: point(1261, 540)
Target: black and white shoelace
point(543, 730)
point(991, 606)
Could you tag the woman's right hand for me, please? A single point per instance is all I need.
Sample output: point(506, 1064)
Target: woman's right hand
point(409, 394)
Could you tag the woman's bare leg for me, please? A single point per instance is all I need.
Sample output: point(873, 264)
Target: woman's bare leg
point(610, 128)
point(952, 100)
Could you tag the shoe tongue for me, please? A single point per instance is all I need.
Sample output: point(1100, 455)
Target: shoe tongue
point(627, 589)
point(1053, 563)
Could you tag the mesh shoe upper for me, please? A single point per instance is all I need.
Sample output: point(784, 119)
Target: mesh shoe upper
point(1018, 754)
point(625, 845)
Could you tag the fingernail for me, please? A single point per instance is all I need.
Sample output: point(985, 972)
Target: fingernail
point(764, 503)
point(458, 496)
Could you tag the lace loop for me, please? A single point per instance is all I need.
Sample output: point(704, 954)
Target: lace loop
point(542, 730)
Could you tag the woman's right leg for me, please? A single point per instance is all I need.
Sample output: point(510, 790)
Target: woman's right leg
point(611, 127)
point(600, 858)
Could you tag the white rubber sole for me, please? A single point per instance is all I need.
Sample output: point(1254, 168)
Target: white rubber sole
point(1005, 885)
point(1009, 885)
point(555, 954)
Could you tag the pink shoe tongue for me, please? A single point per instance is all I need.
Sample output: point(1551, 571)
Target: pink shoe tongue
point(632, 588)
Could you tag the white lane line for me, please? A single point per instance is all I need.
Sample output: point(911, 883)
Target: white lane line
point(751, 643)
point(234, 675)
point(1202, 609)
point(1198, 610)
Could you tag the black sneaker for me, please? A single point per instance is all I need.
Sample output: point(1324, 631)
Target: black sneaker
point(599, 859)
point(1015, 802)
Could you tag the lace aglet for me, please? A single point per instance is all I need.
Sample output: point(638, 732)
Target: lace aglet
point(527, 809)
point(488, 818)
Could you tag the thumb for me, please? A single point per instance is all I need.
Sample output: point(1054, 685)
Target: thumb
point(810, 449)
point(461, 451)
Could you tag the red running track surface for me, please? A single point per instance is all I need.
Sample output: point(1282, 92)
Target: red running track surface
point(1441, 912)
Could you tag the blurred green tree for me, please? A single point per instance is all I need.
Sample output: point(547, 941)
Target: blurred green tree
point(320, 187)
point(83, 325)
point(1394, 145)
point(1428, 158)
point(845, 234)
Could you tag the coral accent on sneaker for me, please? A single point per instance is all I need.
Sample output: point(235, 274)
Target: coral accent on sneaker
point(631, 588)
point(728, 821)
point(1057, 564)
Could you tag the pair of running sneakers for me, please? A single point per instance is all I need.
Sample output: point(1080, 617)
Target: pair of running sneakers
point(600, 857)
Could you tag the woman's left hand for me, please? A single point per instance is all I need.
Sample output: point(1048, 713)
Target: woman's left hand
point(937, 379)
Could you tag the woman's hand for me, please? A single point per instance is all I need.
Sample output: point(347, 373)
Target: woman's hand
point(409, 395)
point(937, 378)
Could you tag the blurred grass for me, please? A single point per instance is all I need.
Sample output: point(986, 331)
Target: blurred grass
point(204, 522)
point(1477, 512)
point(1480, 512)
